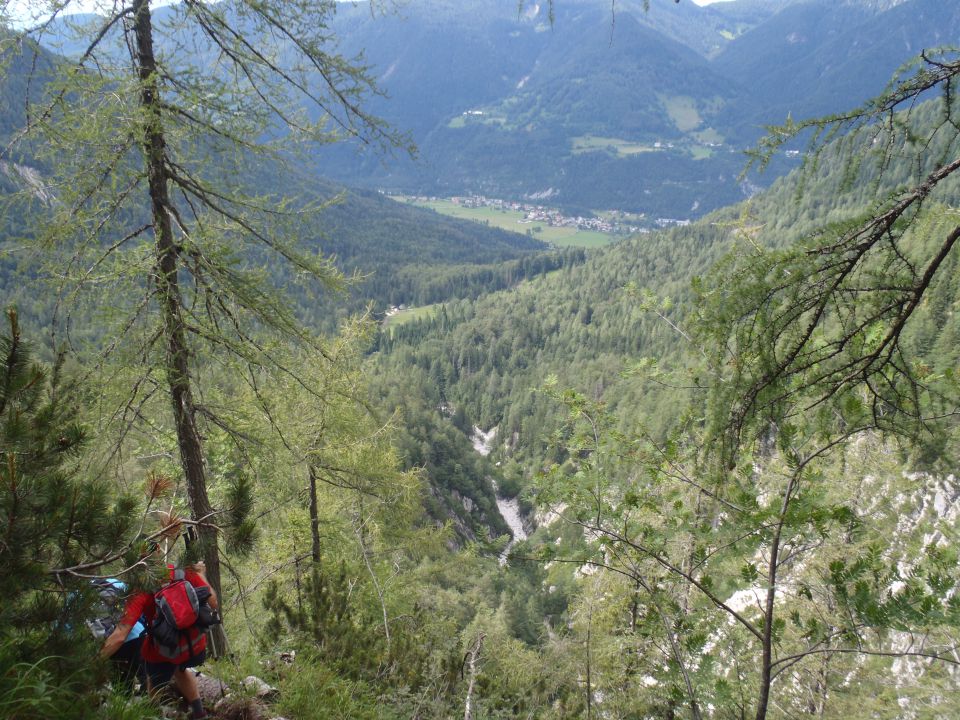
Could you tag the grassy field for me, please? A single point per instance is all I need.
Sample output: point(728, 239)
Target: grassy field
point(708, 135)
point(621, 148)
point(514, 222)
point(625, 148)
point(408, 315)
point(461, 120)
point(682, 111)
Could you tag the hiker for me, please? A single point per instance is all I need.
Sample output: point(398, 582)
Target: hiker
point(127, 661)
point(160, 669)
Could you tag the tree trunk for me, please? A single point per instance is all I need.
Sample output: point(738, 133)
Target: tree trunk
point(168, 289)
point(766, 668)
point(472, 659)
point(314, 518)
point(589, 679)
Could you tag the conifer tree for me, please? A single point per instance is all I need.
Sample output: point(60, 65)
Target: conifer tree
point(810, 364)
point(810, 354)
point(51, 518)
point(153, 146)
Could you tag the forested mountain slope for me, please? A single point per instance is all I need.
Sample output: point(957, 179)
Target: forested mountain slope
point(393, 253)
point(632, 485)
point(740, 436)
point(584, 326)
point(387, 244)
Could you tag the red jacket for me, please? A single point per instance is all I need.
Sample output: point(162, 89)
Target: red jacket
point(143, 604)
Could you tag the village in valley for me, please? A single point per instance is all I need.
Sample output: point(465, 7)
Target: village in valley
point(544, 222)
point(550, 216)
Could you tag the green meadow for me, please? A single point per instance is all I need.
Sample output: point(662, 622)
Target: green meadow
point(620, 148)
point(408, 315)
point(514, 221)
point(682, 111)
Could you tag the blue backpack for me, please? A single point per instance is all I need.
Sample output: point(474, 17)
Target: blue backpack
point(109, 609)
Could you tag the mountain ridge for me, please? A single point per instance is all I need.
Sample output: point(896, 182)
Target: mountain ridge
point(503, 102)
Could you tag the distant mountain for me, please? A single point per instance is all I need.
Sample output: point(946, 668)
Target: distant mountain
point(582, 111)
point(619, 80)
point(822, 56)
point(797, 31)
point(709, 29)
point(608, 105)
point(22, 73)
point(612, 106)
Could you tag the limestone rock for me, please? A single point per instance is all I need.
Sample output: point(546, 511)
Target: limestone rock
point(259, 688)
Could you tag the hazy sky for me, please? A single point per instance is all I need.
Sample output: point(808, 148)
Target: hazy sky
point(18, 9)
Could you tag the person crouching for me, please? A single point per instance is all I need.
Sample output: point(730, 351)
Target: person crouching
point(161, 664)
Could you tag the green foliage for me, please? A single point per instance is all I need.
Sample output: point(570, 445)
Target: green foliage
point(52, 518)
point(27, 687)
point(323, 618)
point(55, 686)
point(824, 321)
point(437, 442)
point(238, 508)
point(698, 547)
point(118, 705)
point(316, 692)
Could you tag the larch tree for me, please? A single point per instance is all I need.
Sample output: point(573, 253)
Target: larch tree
point(777, 519)
point(812, 352)
point(829, 314)
point(152, 133)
